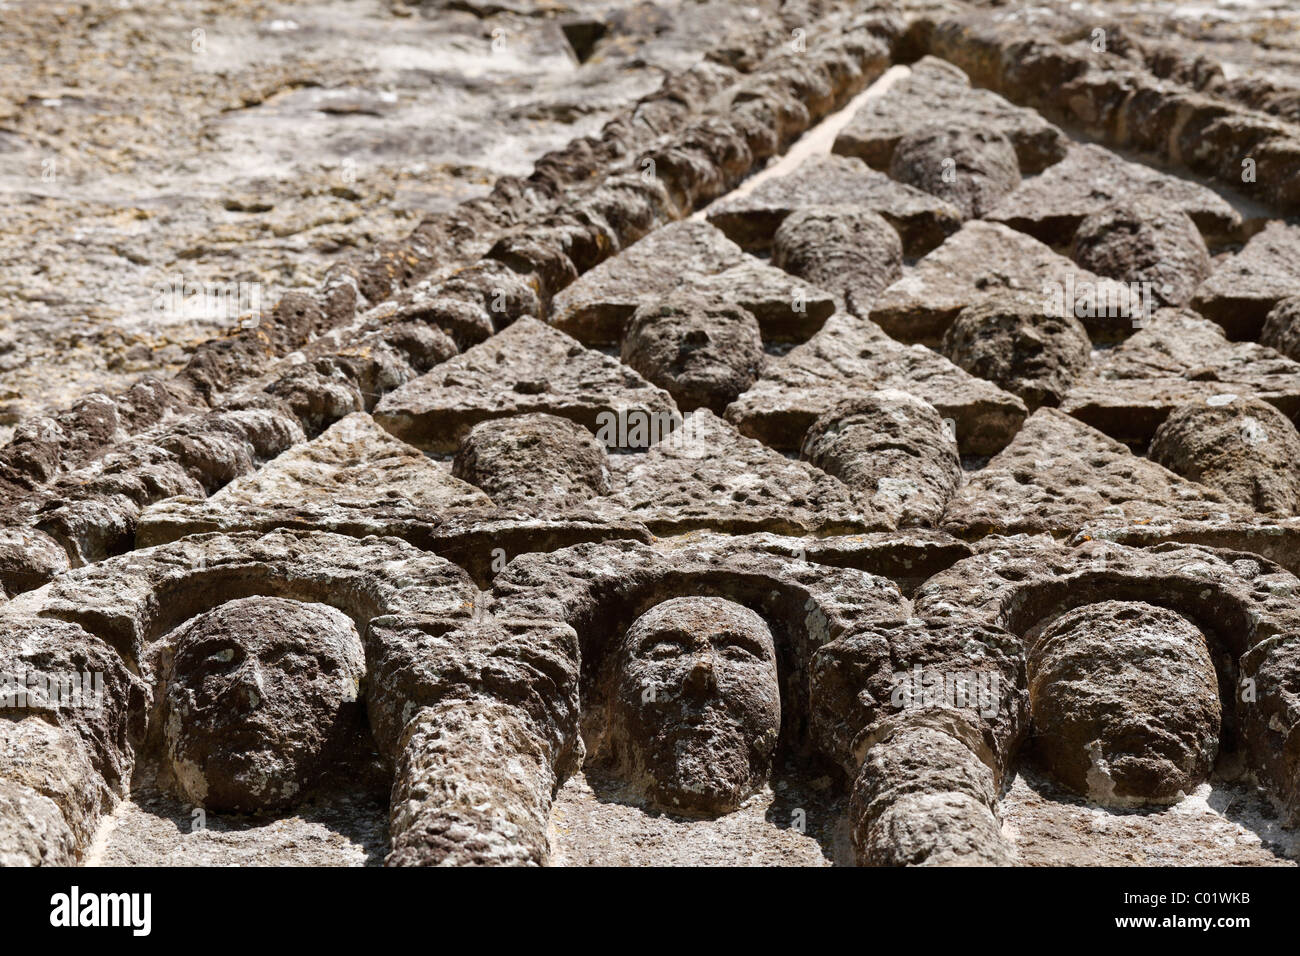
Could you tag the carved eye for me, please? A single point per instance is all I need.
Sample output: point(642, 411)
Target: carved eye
point(664, 650)
point(735, 652)
point(217, 659)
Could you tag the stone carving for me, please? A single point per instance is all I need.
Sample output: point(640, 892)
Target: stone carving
point(695, 707)
point(637, 510)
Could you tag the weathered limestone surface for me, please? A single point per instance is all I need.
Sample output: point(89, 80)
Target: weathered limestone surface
point(1244, 447)
point(533, 461)
point(355, 478)
point(851, 355)
point(703, 355)
point(690, 258)
point(529, 367)
point(1058, 473)
point(921, 220)
point(892, 449)
point(1012, 343)
point(1282, 328)
point(1144, 240)
point(570, 529)
point(1179, 358)
point(942, 94)
point(853, 253)
point(987, 259)
point(707, 475)
point(1051, 206)
point(1125, 702)
point(1243, 288)
point(971, 167)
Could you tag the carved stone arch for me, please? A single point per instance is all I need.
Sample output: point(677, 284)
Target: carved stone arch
point(599, 590)
point(1247, 607)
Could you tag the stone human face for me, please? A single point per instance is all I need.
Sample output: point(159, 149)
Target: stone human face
point(696, 708)
point(261, 690)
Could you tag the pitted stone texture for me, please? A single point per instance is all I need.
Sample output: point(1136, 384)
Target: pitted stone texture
point(1058, 474)
point(924, 798)
point(552, 617)
point(1090, 178)
point(967, 680)
point(983, 260)
point(32, 829)
point(853, 253)
point(1282, 328)
point(1144, 240)
point(1244, 447)
point(354, 478)
point(74, 715)
point(1010, 341)
point(1249, 607)
point(942, 94)
point(702, 353)
point(599, 590)
point(894, 450)
point(1125, 702)
point(703, 741)
point(473, 786)
point(972, 168)
point(261, 694)
point(694, 259)
point(852, 354)
point(528, 367)
point(707, 476)
point(1243, 288)
point(1177, 359)
point(28, 558)
point(921, 220)
point(130, 600)
point(533, 461)
point(934, 829)
point(1021, 582)
point(908, 558)
point(92, 512)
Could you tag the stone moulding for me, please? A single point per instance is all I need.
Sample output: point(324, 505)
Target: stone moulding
point(724, 131)
point(111, 616)
point(1247, 607)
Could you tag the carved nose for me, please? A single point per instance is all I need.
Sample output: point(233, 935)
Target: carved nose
point(250, 691)
point(700, 680)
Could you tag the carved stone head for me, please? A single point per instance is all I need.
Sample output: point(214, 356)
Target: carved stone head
point(261, 692)
point(695, 708)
